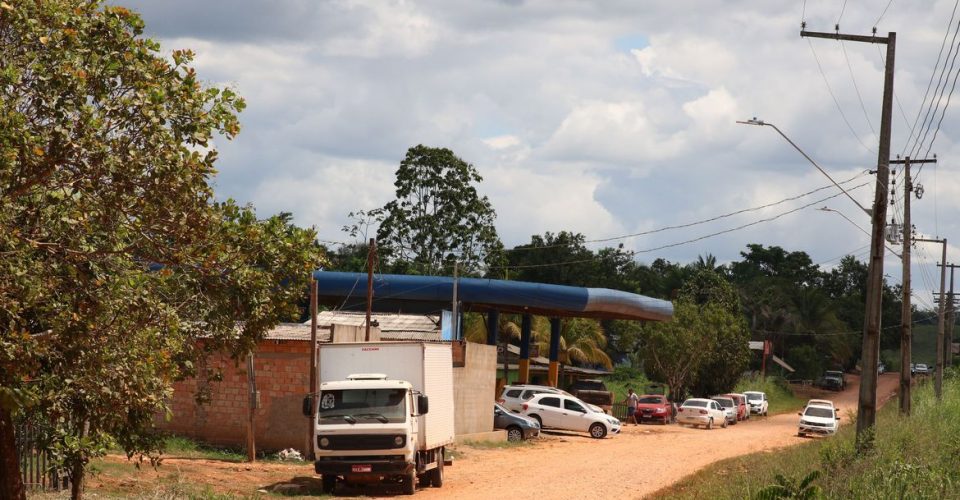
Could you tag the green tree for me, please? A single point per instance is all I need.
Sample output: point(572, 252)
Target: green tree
point(116, 262)
point(438, 217)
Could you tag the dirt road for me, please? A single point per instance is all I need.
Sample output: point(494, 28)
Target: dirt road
point(641, 460)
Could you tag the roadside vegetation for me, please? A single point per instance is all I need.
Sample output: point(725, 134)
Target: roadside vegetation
point(914, 457)
point(781, 398)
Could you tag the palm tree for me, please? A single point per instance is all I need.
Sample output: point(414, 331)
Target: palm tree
point(581, 341)
point(708, 262)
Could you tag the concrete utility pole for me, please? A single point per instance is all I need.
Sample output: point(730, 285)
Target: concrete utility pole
point(870, 357)
point(941, 318)
point(906, 311)
point(371, 257)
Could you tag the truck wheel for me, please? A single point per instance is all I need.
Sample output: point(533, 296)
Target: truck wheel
point(410, 483)
point(329, 483)
point(598, 431)
point(436, 475)
point(514, 433)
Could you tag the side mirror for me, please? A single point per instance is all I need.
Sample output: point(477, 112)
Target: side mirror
point(423, 404)
point(307, 406)
point(497, 411)
point(838, 417)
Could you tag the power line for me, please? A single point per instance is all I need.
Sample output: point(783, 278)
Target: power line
point(882, 13)
point(686, 242)
point(856, 87)
point(835, 100)
point(931, 107)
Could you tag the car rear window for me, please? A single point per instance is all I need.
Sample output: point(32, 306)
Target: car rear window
point(513, 393)
point(550, 401)
point(651, 401)
point(698, 404)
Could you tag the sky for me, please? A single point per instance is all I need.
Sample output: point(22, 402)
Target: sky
point(606, 118)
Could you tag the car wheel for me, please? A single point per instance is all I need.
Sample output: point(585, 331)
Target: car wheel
point(724, 425)
point(328, 484)
point(800, 434)
point(538, 419)
point(514, 433)
point(598, 431)
point(710, 424)
point(436, 475)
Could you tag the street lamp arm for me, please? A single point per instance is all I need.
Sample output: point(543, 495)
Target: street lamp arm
point(755, 121)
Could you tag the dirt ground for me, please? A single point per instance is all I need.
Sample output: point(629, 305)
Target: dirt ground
point(636, 463)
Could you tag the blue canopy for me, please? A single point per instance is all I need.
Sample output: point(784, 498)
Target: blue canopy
point(431, 294)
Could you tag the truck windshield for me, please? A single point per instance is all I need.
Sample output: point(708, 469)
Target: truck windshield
point(362, 405)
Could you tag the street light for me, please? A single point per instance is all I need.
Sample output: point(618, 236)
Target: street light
point(827, 209)
point(761, 123)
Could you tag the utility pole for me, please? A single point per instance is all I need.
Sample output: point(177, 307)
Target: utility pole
point(951, 308)
point(371, 256)
point(906, 311)
point(870, 356)
point(454, 313)
point(312, 419)
point(941, 319)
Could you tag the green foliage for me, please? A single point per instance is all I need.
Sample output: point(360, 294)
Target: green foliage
point(438, 216)
point(784, 487)
point(116, 260)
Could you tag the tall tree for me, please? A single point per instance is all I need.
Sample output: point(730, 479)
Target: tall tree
point(438, 217)
point(115, 259)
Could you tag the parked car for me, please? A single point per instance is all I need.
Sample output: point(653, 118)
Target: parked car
point(743, 411)
point(881, 368)
point(833, 380)
point(923, 369)
point(699, 411)
point(518, 427)
point(656, 408)
point(818, 419)
point(729, 408)
point(758, 402)
point(557, 411)
point(514, 396)
point(594, 392)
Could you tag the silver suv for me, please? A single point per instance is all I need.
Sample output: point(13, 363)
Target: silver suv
point(514, 396)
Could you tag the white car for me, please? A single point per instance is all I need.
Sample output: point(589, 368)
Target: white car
point(923, 369)
point(729, 408)
point(705, 412)
point(514, 396)
point(758, 402)
point(557, 411)
point(818, 419)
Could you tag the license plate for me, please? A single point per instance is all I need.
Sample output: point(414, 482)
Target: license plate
point(361, 468)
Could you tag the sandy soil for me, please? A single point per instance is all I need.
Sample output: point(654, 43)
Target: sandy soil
point(575, 466)
point(636, 463)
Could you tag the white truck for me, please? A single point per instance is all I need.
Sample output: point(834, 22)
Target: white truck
point(384, 412)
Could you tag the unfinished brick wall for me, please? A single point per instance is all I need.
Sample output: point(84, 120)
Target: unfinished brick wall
point(282, 370)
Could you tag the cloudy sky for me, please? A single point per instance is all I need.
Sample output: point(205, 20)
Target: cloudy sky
point(606, 117)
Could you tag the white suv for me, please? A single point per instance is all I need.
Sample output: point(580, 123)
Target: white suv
point(558, 411)
point(514, 396)
point(818, 418)
point(757, 401)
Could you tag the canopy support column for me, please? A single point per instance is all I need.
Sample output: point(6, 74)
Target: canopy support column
point(554, 373)
point(493, 327)
point(526, 326)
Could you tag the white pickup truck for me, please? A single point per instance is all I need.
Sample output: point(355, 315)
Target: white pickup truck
point(384, 412)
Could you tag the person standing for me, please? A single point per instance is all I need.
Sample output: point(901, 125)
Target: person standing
point(632, 400)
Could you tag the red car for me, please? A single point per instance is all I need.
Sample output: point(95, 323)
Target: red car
point(743, 411)
point(657, 408)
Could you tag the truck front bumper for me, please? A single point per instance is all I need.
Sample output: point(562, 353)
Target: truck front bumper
point(358, 466)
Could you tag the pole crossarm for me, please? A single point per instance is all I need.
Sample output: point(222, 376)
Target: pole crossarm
point(850, 38)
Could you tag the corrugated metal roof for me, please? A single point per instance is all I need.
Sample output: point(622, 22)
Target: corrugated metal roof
point(299, 331)
point(388, 322)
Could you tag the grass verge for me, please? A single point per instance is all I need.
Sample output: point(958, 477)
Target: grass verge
point(915, 457)
point(781, 398)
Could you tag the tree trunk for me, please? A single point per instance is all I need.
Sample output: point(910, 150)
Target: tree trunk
point(76, 482)
point(11, 487)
